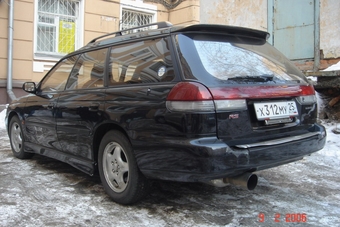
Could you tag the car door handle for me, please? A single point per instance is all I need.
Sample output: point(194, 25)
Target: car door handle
point(94, 107)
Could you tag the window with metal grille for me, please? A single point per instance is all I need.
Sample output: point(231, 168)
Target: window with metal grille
point(56, 26)
point(132, 18)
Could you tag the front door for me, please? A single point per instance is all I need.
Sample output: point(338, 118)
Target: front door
point(40, 111)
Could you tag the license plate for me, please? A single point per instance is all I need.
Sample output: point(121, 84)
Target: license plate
point(274, 110)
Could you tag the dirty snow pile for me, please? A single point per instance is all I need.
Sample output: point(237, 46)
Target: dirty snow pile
point(333, 67)
point(2, 119)
point(332, 147)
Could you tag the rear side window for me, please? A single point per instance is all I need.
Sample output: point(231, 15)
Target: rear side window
point(216, 59)
point(88, 72)
point(147, 61)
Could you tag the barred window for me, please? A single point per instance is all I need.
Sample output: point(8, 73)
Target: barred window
point(132, 18)
point(56, 26)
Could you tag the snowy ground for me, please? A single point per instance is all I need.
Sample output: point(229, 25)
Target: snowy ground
point(45, 192)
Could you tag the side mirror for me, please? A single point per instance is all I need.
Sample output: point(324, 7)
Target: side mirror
point(29, 87)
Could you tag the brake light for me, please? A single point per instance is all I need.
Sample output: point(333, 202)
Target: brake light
point(190, 97)
point(307, 95)
point(307, 90)
point(189, 91)
point(195, 97)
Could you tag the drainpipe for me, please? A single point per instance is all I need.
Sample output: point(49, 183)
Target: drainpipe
point(10, 50)
point(316, 35)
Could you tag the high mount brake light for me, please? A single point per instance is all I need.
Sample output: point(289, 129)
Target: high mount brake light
point(195, 97)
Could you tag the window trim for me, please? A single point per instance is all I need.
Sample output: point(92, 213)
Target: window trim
point(79, 38)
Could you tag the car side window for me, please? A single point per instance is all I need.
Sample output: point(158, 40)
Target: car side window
point(88, 72)
point(146, 61)
point(57, 78)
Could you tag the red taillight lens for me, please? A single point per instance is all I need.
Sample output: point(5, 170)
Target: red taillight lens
point(190, 97)
point(195, 97)
point(189, 91)
point(222, 93)
point(307, 90)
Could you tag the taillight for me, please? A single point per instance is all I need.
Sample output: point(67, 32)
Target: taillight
point(307, 95)
point(195, 97)
point(190, 97)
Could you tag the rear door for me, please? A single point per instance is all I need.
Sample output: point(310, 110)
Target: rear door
point(81, 105)
point(141, 75)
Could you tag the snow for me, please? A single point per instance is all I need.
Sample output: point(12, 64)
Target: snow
point(2, 119)
point(332, 146)
point(330, 68)
point(333, 67)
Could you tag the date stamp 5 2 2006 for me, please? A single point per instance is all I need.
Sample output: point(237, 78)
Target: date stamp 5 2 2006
point(290, 217)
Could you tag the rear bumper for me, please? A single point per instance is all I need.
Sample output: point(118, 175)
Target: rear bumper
point(210, 158)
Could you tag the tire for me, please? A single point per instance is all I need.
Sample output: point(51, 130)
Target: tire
point(17, 139)
point(118, 170)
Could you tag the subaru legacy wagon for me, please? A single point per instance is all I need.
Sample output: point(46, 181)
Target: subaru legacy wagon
point(198, 103)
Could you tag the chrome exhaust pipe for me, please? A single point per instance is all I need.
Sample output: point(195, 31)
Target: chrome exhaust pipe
point(246, 180)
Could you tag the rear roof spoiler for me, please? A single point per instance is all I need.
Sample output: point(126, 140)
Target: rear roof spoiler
point(232, 30)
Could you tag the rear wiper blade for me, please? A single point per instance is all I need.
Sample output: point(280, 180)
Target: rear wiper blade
point(262, 78)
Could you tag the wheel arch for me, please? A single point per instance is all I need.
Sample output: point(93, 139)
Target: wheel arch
point(9, 118)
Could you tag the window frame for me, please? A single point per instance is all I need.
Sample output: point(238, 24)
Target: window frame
point(138, 7)
point(79, 36)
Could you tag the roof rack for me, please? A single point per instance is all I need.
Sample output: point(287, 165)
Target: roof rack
point(162, 24)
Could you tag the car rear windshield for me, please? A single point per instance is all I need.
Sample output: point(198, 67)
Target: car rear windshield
point(228, 59)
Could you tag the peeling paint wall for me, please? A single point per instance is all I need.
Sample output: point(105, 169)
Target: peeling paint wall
point(252, 14)
point(330, 28)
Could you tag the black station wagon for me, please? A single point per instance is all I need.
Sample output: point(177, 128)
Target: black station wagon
point(199, 103)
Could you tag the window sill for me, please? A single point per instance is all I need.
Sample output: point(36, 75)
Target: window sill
point(48, 57)
point(44, 62)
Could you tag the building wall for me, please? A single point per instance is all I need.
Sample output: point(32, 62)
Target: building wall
point(3, 40)
point(23, 39)
point(330, 28)
point(100, 20)
point(22, 43)
point(252, 14)
point(188, 12)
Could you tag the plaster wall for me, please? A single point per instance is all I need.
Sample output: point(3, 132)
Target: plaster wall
point(330, 28)
point(252, 14)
